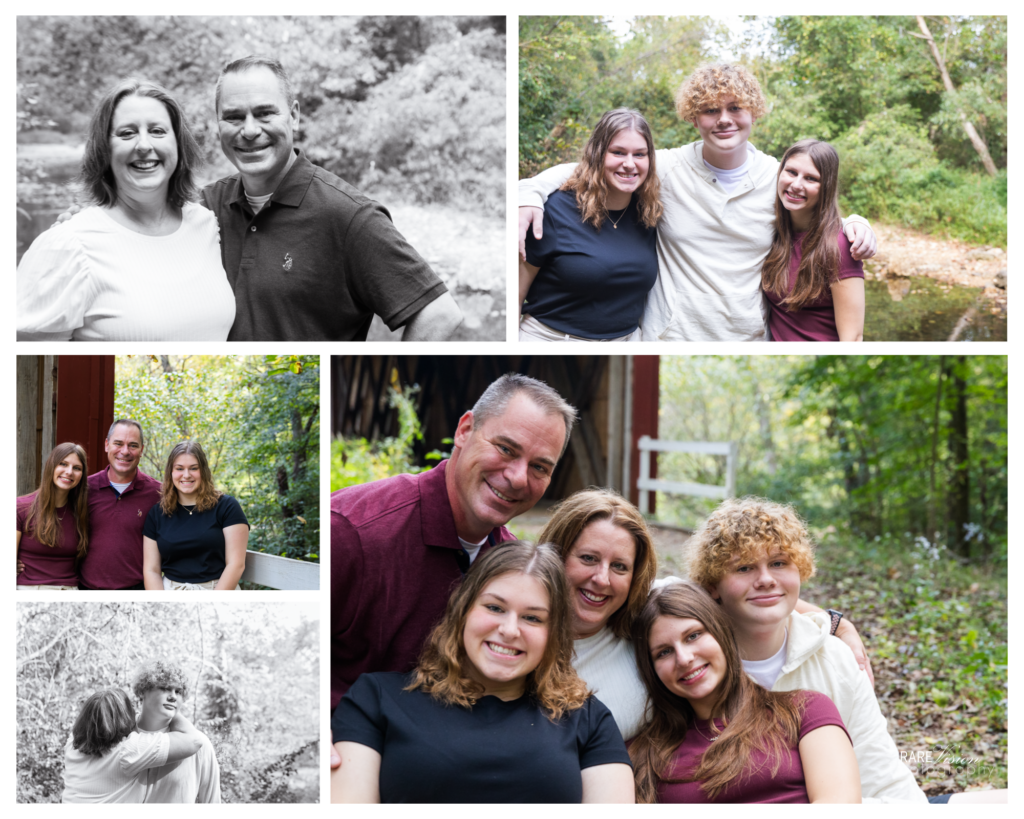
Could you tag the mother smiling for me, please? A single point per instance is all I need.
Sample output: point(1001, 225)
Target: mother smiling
point(144, 241)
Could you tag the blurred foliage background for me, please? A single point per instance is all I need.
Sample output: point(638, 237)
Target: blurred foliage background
point(258, 420)
point(253, 672)
point(867, 84)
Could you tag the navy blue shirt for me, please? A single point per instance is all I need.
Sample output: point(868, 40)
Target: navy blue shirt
point(192, 546)
point(591, 284)
point(494, 752)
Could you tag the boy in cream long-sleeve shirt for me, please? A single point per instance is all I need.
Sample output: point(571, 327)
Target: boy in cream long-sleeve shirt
point(719, 219)
point(752, 555)
point(162, 689)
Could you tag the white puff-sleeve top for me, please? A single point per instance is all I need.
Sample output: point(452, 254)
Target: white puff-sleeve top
point(93, 279)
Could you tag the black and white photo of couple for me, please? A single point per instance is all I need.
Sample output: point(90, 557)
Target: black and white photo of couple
point(167, 703)
point(262, 237)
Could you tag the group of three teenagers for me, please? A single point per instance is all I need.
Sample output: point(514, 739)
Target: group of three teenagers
point(400, 539)
point(710, 241)
point(121, 529)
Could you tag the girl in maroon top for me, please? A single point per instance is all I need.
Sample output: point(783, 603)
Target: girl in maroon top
point(53, 522)
point(713, 734)
point(814, 287)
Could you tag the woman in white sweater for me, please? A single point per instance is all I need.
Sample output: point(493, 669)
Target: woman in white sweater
point(610, 563)
point(143, 263)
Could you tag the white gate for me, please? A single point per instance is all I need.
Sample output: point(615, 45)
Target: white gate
point(645, 483)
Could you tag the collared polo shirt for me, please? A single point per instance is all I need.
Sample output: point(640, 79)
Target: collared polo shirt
point(394, 564)
point(317, 261)
point(113, 559)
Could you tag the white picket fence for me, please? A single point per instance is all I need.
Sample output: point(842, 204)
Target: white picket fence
point(645, 483)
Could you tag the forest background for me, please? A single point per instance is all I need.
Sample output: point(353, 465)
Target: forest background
point(235, 656)
point(870, 85)
point(899, 464)
point(258, 420)
point(409, 110)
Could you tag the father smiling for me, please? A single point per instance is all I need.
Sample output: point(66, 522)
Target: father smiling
point(308, 256)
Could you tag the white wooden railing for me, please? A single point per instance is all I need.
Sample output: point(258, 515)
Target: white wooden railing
point(645, 483)
point(280, 572)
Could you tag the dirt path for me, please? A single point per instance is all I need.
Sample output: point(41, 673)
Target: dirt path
point(903, 253)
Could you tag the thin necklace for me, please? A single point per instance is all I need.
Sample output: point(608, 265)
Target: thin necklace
point(60, 518)
point(615, 224)
point(189, 509)
point(709, 739)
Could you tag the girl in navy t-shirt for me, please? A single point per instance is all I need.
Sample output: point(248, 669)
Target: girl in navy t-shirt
point(587, 279)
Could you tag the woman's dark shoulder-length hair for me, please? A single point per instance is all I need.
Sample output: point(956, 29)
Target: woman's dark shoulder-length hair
point(208, 493)
point(96, 176)
point(588, 179)
point(106, 718)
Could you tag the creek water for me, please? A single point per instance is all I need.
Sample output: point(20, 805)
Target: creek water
point(928, 311)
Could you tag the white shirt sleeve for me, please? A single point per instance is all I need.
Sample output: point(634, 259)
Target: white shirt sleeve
point(139, 751)
point(209, 774)
point(55, 287)
point(536, 190)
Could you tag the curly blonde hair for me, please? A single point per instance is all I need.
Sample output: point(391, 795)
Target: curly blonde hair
point(577, 512)
point(747, 529)
point(553, 684)
point(712, 81)
point(588, 178)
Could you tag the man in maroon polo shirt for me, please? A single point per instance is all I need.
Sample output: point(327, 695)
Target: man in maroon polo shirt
point(120, 497)
point(399, 545)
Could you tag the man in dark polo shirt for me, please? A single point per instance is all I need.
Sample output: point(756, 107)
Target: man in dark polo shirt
point(120, 497)
point(308, 256)
point(399, 545)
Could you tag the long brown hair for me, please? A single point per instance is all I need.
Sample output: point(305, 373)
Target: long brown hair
point(588, 179)
point(819, 256)
point(41, 521)
point(554, 684)
point(577, 512)
point(208, 493)
point(756, 719)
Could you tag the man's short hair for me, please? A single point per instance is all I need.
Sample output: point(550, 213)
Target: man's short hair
point(254, 61)
point(712, 81)
point(496, 397)
point(747, 529)
point(128, 422)
point(160, 674)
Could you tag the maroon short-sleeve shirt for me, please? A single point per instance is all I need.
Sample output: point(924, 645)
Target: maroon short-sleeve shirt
point(114, 557)
point(393, 566)
point(48, 565)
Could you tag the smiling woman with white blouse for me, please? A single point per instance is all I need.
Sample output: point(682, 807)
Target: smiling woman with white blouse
point(143, 263)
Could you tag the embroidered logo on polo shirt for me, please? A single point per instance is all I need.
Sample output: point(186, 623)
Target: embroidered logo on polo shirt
point(287, 262)
point(140, 513)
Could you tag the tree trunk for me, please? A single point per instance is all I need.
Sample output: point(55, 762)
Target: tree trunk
point(972, 134)
point(933, 530)
point(959, 496)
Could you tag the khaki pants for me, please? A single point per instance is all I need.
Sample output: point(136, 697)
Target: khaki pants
point(174, 585)
point(532, 330)
point(48, 588)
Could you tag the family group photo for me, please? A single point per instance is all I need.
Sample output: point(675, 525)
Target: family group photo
point(669, 579)
point(762, 178)
point(277, 178)
point(168, 473)
point(167, 703)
